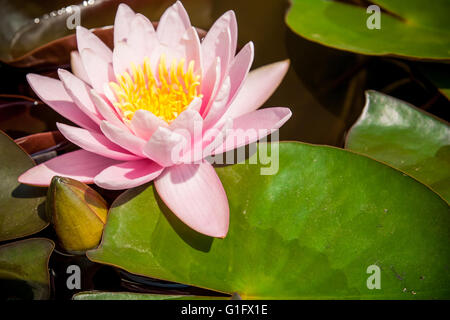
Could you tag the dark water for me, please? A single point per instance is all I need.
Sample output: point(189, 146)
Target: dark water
point(324, 87)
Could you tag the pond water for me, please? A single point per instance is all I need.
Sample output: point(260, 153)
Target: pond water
point(324, 87)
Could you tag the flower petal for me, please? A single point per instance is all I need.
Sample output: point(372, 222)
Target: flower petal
point(98, 70)
point(211, 82)
point(107, 111)
point(172, 25)
point(77, 66)
point(259, 85)
point(165, 146)
point(219, 105)
point(196, 196)
point(122, 23)
point(143, 39)
point(95, 143)
point(87, 40)
point(80, 165)
point(128, 174)
point(211, 139)
point(190, 43)
point(122, 58)
point(218, 43)
point(123, 138)
point(215, 137)
point(239, 69)
point(237, 73)
point(233, 32)
point(189, 124)
point(189, 120)
point(195, 104)
point(145, 123)
point(79, 92)
point(52, 92)
point(253, 126)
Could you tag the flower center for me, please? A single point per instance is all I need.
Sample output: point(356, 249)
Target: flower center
point(166, 95)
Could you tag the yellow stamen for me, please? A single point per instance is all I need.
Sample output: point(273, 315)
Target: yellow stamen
point(166, 95)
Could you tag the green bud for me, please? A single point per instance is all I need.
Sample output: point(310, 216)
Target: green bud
point(77, 212)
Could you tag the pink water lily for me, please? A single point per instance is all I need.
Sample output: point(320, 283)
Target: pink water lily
point(132, 105)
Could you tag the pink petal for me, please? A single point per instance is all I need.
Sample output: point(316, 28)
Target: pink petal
point(172, 25)
point(110, 95)
point(79, 92)
point(88, 40)
point(77, 66)
point(95, 143)
point(122, 58)
point(196, 196)
point(99, 71)
point(170, 54)
point(195, 104)
point(218, 43)
point(122, 23)
point(239, 69)
point(107, 111)
point(237, 73)
point(189, 124)
point(233, 32)
point(259, 85)
point(216, 136)
point(211, 82)
point(254, 126)
point(52, 92)
point(143, 39)
point(219, 104)
point(165, 146)
point(123, 138)
point(192, 48)
point(127, 175)
point(80, 165)
point(145, 123)
point(211, 139)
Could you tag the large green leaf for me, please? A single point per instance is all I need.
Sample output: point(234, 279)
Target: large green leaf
point(412, 29)
point(406, 138)
point(309, 231)
point(102, 295)
point(21, 208)
point(24, 269)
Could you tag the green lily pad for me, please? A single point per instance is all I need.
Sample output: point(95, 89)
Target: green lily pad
point(310, 231)
point(412, 29)
point(24, 269)
point(394, 132)
point(21, 206)
point(102, 295)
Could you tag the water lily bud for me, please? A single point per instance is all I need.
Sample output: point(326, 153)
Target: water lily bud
point(77, 212)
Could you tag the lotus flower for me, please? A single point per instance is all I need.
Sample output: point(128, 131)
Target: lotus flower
point(137, 104)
